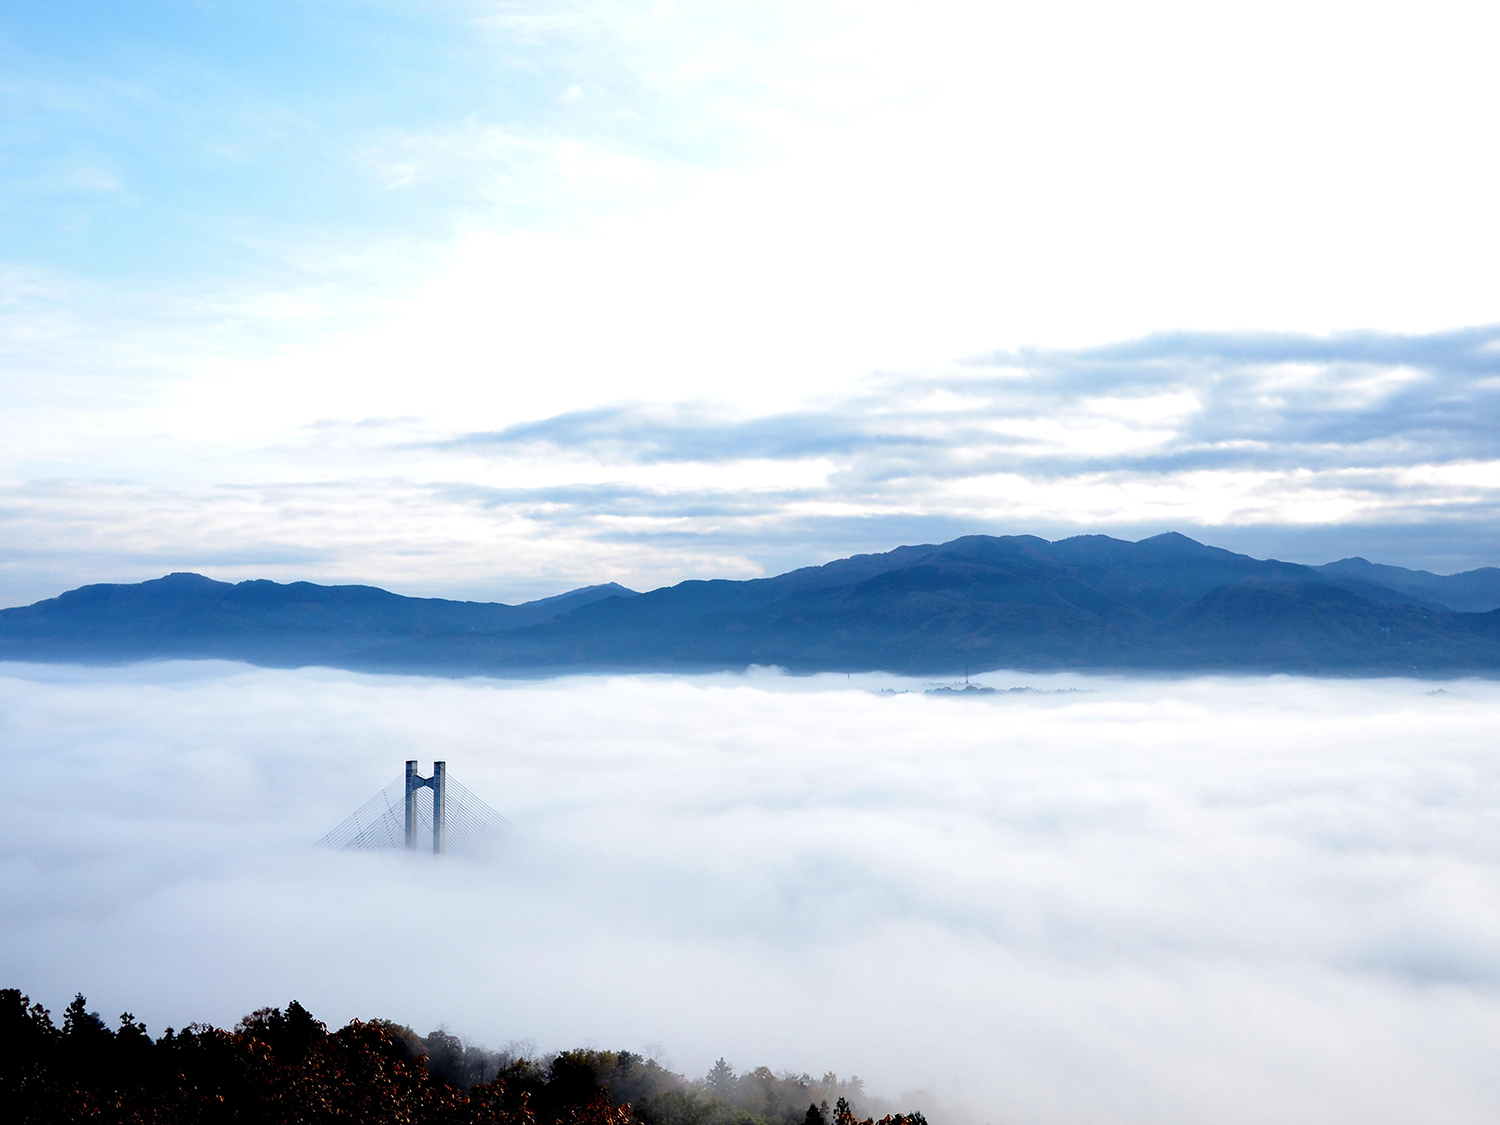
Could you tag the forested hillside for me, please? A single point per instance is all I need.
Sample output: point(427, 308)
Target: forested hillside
point(283, 1066)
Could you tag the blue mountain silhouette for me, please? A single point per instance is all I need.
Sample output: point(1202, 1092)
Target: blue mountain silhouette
point(1167, 603)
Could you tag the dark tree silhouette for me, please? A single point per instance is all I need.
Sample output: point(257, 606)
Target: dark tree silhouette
point(284, 1067)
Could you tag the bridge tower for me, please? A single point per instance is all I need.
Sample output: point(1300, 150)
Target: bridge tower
point(462, 824)
point(438, 784)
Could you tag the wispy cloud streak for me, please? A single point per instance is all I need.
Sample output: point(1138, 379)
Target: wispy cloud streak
point(1308, 447)
point(1170, 402)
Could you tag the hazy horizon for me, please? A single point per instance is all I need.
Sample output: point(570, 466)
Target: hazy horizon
point(207, 572)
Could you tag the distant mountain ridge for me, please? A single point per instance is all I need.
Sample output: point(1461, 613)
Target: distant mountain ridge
point(1168, 603)
point(189, 615)
point(1473, 591)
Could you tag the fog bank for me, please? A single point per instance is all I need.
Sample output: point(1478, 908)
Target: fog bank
point(1212, 899)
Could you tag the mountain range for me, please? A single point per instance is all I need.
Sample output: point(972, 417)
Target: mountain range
point(1167, 603)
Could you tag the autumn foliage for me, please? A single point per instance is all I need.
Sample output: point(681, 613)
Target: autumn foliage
point(286, 1068)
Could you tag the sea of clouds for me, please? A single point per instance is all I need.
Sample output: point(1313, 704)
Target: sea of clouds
point(1228, 900)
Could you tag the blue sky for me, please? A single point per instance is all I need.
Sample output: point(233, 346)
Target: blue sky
point(497, 299)
point(157, 143)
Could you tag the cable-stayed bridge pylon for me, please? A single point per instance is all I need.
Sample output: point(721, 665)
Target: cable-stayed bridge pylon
point(401, 816)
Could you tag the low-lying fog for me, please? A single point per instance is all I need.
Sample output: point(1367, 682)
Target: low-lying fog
point(1166, 901)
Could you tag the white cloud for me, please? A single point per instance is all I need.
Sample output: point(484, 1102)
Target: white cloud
point(1227, 900)
point(771, 201)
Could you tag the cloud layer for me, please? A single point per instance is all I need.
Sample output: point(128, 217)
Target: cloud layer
point(1228, 900)
point(1309, 448)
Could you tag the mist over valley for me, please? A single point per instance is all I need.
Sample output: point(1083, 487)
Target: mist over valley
point(1226, 899)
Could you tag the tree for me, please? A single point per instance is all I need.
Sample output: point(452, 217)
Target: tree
point(290, 1034)
point(721, 1080)
point(80, 1023)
